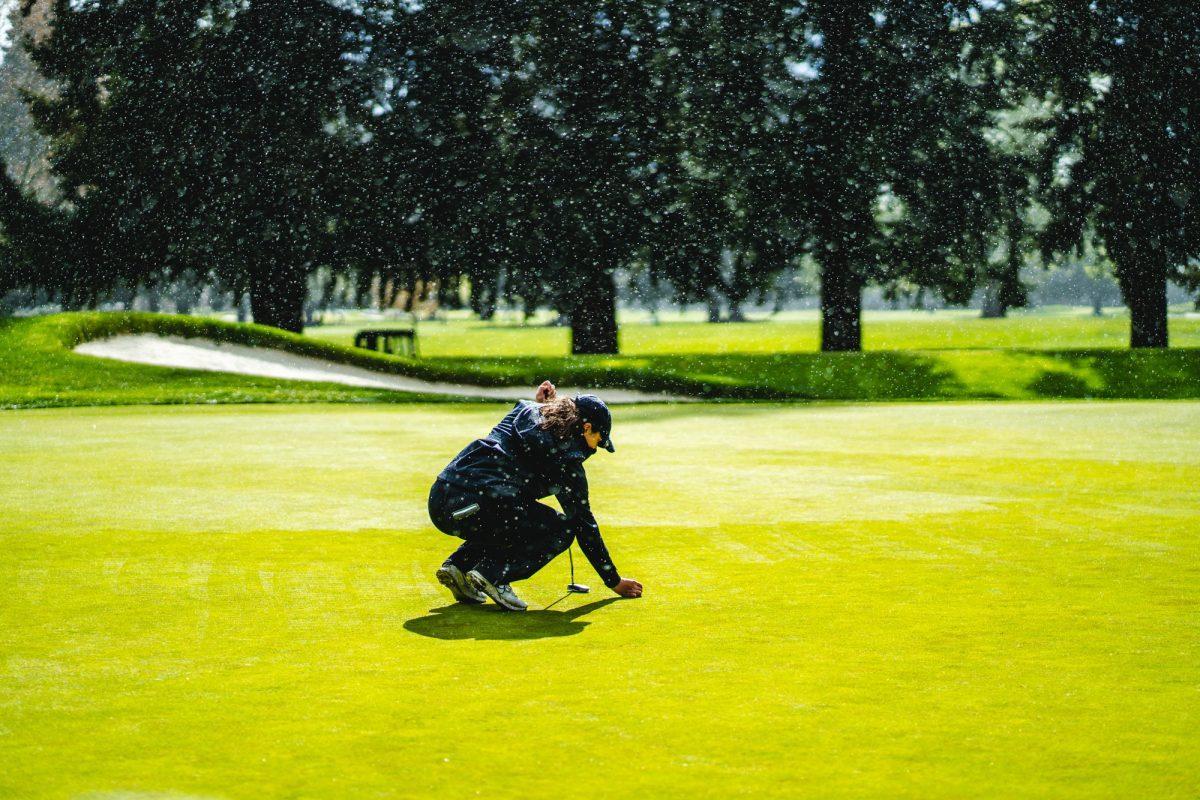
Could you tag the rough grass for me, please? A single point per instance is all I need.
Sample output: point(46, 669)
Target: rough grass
point(960, 600)
point(37, 367)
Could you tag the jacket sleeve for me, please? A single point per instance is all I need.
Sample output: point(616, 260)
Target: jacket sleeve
point(573, 497)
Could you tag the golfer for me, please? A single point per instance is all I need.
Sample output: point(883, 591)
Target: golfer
point(488, 496)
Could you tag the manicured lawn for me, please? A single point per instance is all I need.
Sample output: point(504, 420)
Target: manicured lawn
point(1058, 328)
point(38, 368)
point(931, 600)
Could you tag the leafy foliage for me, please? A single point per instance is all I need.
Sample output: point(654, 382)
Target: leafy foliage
point(535, 150)
point(1120, 80)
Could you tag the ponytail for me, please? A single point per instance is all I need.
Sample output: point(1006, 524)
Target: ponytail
point(561, 418)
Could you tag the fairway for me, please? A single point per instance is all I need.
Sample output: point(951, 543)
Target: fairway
point(905, 600)
point(685, 334)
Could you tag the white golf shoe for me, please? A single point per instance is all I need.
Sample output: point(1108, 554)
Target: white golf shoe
point(502, 593)
point(453, 579)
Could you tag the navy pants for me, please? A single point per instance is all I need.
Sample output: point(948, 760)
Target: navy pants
point(506, 540)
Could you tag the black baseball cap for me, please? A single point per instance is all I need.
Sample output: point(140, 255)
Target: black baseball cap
point(592, 409)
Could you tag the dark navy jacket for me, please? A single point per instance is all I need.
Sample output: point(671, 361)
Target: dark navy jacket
point(520, 460)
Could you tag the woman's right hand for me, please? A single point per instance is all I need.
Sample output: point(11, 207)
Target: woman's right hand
point(628, 587)
point(545, 392)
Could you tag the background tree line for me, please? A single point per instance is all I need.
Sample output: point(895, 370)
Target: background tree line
point(534, 149)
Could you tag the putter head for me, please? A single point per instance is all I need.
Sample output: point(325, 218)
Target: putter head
point(577, 588)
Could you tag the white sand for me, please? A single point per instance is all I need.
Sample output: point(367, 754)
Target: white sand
point(204, 354)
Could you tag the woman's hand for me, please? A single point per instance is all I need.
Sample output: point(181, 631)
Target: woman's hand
point(545, 392)
point(628, 587)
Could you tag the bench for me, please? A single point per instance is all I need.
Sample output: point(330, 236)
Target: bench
point(389, 340)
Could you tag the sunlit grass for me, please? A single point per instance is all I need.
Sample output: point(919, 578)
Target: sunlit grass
point(952, 600)
point(38, 368)
point(792, 332)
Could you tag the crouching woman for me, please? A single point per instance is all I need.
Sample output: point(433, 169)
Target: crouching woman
point(488, 497)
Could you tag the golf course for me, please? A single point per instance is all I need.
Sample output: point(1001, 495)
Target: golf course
point(1057, 354)
point(221, 586)
point(599, 400)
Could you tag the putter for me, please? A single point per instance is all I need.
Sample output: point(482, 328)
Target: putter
point(577, 588)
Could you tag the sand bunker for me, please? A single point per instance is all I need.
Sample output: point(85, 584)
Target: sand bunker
point(204, 354)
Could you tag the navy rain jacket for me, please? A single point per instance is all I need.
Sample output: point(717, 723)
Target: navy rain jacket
point(520, 460)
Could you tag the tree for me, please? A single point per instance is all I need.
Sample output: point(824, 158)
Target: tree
point(21, 146)
point(1120, 82)
point(201, 135)
point(433, 207)
point(1014, 227)
point(1190, 279)
point(729, 160)
point(46, 241)
point(894, 117)
point(34, 251)
point(585, 147)
point(1002, 286)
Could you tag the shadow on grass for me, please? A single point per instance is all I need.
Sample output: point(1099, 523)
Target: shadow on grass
point(1120, 374)
point(877, 375)
point(1056, 383)
point(459, 621)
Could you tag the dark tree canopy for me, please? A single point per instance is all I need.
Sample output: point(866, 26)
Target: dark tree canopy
point(197, 135)
point(893, 120)
point(585, 149)
point(1120, 82)
point(535, 150)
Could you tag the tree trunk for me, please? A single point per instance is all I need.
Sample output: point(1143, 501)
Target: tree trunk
point(483, 299)
point(487, 309)
point(714, 305)
point(594, 316)
point(841, 310)
point(448, 294)
point(71, 300)
point(278, 301)
point(1145, 292)
point(738, 288)
point(1005, 291)
point(363, 284)
point(993, 300)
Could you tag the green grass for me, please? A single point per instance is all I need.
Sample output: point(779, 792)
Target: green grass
point(38, 369)
point(953, 600)
point(1057, 328)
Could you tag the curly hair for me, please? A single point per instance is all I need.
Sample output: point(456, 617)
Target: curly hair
point(561, 418)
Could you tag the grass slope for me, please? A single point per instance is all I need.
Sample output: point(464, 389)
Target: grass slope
point(961, 600)
point(37, 368)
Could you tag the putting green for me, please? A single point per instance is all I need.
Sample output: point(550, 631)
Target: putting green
point(902, 600)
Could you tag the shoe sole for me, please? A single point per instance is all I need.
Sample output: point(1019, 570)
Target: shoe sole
point(480, 583)
point(446, 578)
